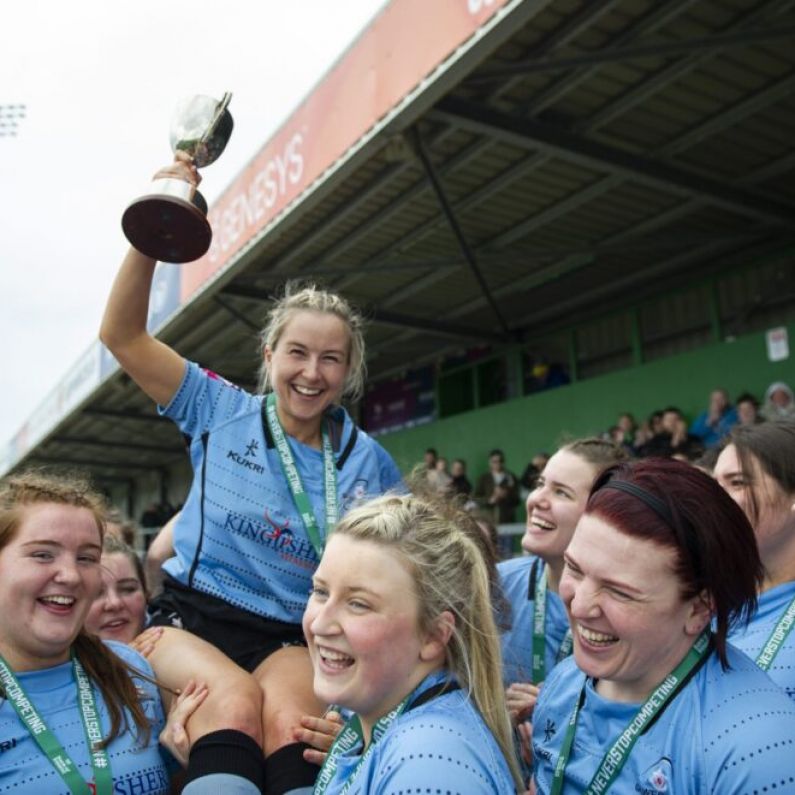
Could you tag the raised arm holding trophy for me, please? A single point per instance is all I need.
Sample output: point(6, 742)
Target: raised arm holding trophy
point(230, 611)
point(169, 222)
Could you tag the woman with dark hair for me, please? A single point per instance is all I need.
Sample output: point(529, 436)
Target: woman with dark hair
point(539, 634)
point(653, 700)
point(757, 469)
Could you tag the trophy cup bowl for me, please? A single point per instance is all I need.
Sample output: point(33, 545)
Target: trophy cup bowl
point(169, 222)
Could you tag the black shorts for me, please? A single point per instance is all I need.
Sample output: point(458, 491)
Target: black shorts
point(241, 635)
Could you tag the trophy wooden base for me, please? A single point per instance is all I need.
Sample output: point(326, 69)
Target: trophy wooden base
point(168, 228)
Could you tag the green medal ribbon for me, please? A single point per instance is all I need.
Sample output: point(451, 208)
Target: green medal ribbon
point(777, 637)
point(539, 626)
point(47, 741)
point(351, 736)
point(297, 490)
point(615, 759)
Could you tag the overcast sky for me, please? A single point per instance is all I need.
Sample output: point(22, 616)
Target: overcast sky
point(100, 80)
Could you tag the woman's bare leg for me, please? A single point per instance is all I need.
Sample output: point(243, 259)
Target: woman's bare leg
point(286, 679)
point(234, 700)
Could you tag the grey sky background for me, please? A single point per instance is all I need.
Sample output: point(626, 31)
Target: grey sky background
point(100, 81)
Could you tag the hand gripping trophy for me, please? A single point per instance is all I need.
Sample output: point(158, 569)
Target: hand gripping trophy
point(169, 223)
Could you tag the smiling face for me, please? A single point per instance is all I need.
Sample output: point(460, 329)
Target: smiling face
point(362, 628)
point(773, 519)
point(630, 624)
point(118, 613)
point(308, 366)
point(556, 503)
point(49, 575)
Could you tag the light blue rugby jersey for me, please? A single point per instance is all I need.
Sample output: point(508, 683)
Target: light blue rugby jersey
point(25, 770)
point(727, 733)
point(442, 746)
point(239, 536)
point(518, 577)
point(752, 639)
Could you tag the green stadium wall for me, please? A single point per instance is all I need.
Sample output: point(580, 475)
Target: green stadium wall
point(524, 426)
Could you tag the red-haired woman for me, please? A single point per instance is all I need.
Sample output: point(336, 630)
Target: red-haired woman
point(653, 700)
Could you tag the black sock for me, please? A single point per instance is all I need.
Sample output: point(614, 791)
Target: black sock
point(288, 770)
point(227, 751)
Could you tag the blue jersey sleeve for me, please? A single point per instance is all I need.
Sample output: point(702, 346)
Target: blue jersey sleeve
point(391, 479)
point(751, 639)
point(516, 577)
point(204, 400)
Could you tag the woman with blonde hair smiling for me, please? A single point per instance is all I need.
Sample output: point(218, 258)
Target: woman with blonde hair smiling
point(272, 474)
point(401, 632)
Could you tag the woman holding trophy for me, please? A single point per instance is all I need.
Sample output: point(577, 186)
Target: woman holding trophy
point(272, 474)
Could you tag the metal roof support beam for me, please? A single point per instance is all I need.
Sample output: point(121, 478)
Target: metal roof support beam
point(459, 160)
point(466, 250)
point(634, 95)
point(702, 253)
point(76, 462)
point(389, 318)
point(775, 92)
point(443, 329)
point(594, 154)
point(572, 26)
point(236, 313)
point(147, 448)
point(703, 44)
point(658, 15)
point(125, 415)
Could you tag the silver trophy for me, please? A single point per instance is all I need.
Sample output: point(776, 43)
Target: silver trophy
point(169, 222)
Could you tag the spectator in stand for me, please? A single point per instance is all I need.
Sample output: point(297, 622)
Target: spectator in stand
point(151, 516)
point(779, 402)
point(531, 472)
point(714, 423)
point(617, 435)
point(497, 491)
point(660, 443)
point(439, 478)
point(460, 484)
point(748, 410)
point(626, 422)
point(123, 529)
point(429, 459)
point(685, 446)
point(647, 430)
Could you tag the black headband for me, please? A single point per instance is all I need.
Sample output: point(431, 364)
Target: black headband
point(684, 534)
point(654, 502)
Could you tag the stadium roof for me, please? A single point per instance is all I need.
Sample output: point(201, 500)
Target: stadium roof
point(475, 171)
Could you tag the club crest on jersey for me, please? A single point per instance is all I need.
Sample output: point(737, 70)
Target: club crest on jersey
point(356, 493)
point(656, 779)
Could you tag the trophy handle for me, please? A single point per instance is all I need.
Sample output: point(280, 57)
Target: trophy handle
point(169, 223)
